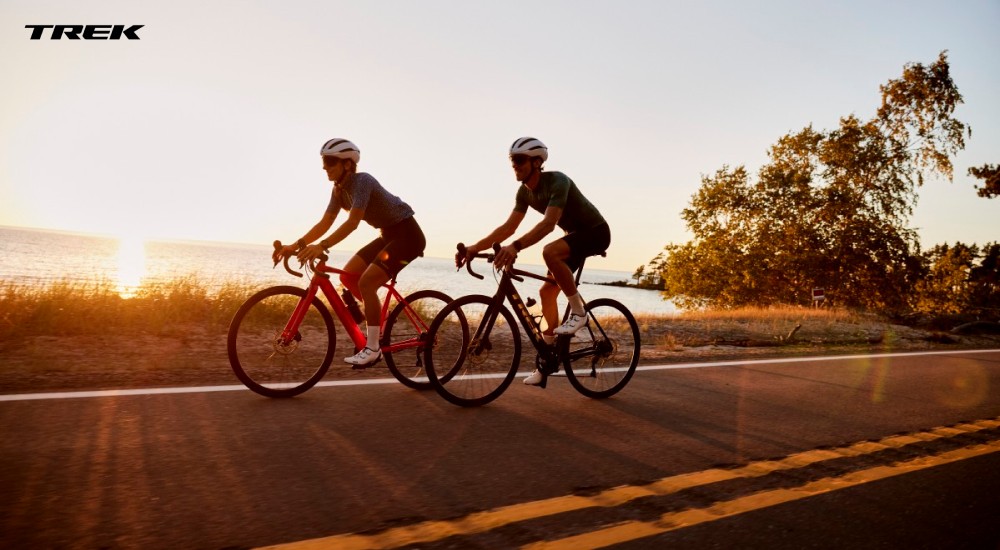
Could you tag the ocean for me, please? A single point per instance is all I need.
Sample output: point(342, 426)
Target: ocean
point(32, 257)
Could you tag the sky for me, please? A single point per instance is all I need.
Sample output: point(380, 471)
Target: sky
point(209, 126)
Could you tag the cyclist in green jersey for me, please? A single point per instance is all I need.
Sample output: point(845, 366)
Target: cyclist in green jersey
point(561, 204)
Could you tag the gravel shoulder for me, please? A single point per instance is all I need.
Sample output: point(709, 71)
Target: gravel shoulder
point(193, 355)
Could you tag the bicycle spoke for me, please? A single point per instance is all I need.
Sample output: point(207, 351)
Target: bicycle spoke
point(406, 334)
point(601, 358)
point(466, 369)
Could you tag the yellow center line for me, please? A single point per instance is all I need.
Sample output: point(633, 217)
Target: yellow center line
point(634, 530)
point(481, 522)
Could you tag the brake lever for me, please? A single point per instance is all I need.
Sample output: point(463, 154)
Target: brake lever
point(496, 250)
point(322, 258)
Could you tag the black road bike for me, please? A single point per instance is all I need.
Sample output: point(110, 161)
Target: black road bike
point(477, 343)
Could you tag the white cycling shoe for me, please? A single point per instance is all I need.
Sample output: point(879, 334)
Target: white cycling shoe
point(535, 379)
point(364, 358)
point(573, 324)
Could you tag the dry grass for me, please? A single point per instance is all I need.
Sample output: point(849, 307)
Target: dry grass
point(66, 308)
point(777, 330)
point(68, 336)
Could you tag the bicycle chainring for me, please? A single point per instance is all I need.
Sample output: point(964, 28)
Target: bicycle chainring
point(548, 363)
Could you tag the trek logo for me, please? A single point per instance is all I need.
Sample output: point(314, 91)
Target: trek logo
point(526, 314)
point(87, 32)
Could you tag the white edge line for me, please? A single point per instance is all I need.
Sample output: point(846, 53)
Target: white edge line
point(811, 359)
point(371, 381)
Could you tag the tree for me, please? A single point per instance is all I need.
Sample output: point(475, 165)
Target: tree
point(985, 282)
point(990, 174)
point(639, 272)
point(946, 287)
point(648, 276)
point(953, 281)
point(830, 209)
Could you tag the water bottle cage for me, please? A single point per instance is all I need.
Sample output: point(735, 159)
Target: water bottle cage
point(356, 313)
point(352, 306)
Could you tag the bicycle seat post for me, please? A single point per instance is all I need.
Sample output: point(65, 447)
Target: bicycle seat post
point(579, 271)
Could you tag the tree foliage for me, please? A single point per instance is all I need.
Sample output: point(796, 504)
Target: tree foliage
point(985, 281)
point(830, 209)
point(945, 287)
point(959, 279)
point(990, 174)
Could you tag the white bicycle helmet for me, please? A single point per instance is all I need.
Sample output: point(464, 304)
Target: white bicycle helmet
point(341, 149)
point(531, 147)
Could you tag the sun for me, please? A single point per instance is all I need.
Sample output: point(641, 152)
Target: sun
point(131, 263)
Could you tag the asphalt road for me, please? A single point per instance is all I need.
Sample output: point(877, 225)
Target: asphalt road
point(864, 452)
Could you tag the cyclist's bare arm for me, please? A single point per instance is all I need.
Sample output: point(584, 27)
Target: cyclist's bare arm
point(542, 228)
point(316, 232)
point(339, 234)
point(507, 254)
point(498, 235)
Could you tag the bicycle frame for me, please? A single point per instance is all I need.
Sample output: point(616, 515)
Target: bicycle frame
point(320, 281)
point(506, 289)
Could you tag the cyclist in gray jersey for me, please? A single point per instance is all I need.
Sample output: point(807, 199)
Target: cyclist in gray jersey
point(400, 239)
point(562, 204)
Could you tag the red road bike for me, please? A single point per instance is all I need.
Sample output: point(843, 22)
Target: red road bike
point(282, 339)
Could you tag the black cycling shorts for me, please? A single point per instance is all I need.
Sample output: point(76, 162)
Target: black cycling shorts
point(397, 246)
point(586, 242)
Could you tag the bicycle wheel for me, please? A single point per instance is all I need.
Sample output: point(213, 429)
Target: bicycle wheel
point(474, 357)
point(406, 329)
point(601, 357)
point(262, 360)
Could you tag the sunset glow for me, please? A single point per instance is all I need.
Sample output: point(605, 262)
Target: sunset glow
point(204, 130)
point(131, 265)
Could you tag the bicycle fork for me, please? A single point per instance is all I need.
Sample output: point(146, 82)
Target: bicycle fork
point(291, 330)
point(480, 343)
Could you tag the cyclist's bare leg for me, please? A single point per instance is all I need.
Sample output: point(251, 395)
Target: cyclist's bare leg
point(354, 268)
point(371, 280)
point(555, 255)
point(550, 307)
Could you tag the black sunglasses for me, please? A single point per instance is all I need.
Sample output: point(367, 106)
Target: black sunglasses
point(520, 159)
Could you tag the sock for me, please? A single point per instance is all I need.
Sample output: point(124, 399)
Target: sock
point(373, 334)
point(549, 339)
point(576, 304)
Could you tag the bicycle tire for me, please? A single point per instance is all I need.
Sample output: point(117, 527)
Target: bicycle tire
point(471, 378)
point(407, 365)
point(261, 361)
point(600, 359)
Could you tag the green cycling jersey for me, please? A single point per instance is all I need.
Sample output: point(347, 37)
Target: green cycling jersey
point(556, 189)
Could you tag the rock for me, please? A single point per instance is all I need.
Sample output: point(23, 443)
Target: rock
point(977, 327)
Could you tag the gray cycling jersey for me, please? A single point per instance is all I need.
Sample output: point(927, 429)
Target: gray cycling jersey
point(382, 208)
